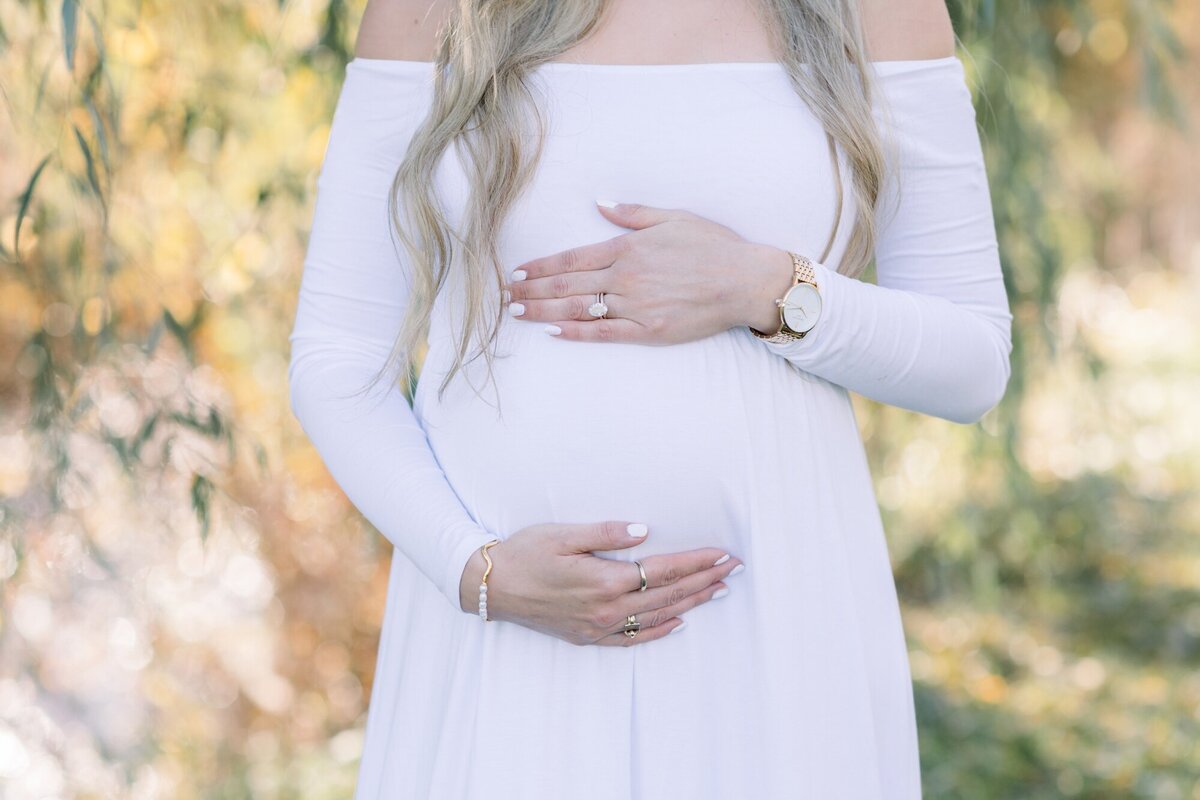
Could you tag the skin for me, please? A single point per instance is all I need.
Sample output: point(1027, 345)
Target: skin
point(672, 277)
point(676, 278)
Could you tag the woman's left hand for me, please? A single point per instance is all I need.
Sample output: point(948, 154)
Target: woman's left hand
point(676, 278)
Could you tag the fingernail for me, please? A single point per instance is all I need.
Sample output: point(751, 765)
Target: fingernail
point(721, 560)
point(516, 309)
point(636, 529)
point(518, 275)
point(679, 627)
point(553, 330)
point(607, 203)
point(719, 593)
point(737, 569)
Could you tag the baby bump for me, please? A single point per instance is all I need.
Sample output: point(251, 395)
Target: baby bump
point(586, 432)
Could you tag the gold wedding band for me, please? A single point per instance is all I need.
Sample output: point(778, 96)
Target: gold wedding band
point(642, 572)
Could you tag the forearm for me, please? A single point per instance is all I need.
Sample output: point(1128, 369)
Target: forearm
point(915, 351)
point(933, 335)
point(352, 300)
point(380, 457)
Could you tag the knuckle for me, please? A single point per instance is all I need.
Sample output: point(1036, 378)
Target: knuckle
point(591, 631)
point(604, 331)
point(619, 281)
point(614, 586)
point(638, 249)
point(602, 588)
point(570, 260)
point(676, 595)
point(620, 245)
point(560, 285)
point(602, 619)
point(670, 574)
point(575, 307)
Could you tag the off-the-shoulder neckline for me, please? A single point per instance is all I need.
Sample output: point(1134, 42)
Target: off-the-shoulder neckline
point(698, 66)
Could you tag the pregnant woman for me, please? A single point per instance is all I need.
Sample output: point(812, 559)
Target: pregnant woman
point(632, 236)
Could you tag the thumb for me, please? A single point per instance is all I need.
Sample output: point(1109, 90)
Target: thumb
point(634, 215)
point(609, 535)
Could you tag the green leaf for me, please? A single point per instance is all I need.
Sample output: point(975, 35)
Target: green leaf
point(26, 197)
point(178, 330)
point(92, 175)
point(201, 496)
point(156, 332)
point(69, 7)
point(101, 137)
point(143, 436)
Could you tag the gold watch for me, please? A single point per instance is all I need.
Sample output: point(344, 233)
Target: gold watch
point(800, 306)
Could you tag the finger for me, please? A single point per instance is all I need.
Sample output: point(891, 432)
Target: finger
point(657, 616)
point(576, 259)
point(637, 216)
point(602, 330)
point(662, 597)
point(586, 537)
point(646, 634)
point(670, 568)
point(576, 307)
point(660, 617)
point(562, 285)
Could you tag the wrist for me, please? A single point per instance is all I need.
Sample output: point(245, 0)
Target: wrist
point(769, 271)
point(472, 576)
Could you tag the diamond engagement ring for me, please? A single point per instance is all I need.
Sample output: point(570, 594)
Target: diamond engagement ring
point(598, 309)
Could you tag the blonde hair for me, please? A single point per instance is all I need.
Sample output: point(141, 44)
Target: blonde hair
point(485, 51)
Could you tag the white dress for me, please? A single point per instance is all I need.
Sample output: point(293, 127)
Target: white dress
point(796, 684)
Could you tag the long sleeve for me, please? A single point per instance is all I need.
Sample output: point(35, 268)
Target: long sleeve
point(933, 334)
point(352, 298)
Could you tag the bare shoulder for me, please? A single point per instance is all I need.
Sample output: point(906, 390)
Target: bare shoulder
point(404, 30)
point(907, 30)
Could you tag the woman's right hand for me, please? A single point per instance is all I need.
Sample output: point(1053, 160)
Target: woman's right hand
point(545, 577)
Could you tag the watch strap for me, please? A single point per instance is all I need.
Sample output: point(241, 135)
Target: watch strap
point(802, 272)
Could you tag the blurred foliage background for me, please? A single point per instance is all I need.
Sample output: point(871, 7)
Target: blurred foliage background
point(190, 607)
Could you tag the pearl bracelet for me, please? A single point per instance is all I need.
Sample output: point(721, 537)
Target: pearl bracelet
point(483, 585)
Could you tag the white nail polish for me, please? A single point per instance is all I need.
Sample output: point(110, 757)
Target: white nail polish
point(636, 529)
point(737, 569)
point(519, 275)
point(553, 330)
point(719, 593)
point(679, 627)
point(516, 309)
point(607, 203)
point(721, 560)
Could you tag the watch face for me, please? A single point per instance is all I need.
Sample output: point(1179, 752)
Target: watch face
point(802, 307)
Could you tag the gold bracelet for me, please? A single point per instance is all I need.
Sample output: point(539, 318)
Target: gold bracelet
point(483, 584)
